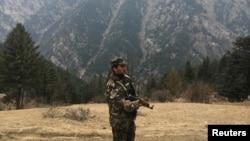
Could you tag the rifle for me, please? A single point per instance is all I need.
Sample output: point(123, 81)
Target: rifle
point(141, 101)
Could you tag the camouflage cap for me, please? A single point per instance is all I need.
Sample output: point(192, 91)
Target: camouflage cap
point(117, 61)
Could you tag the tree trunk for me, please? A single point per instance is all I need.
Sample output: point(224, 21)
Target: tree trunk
point(22, 97)
point(18, 98)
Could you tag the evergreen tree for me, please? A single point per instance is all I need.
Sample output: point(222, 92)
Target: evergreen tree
point(163, 82)
point(47, 79)
point(101, 89)
point(222, 67)
point(204, 73)
point(1, 51)
point(243, 45)
point(233, 82)
point(1, 48)
point(214, 70)
point(150, 86)
point(235, 76)
point(70, 90)
point(174, 82)
point(86, 95)
point(189, 74)
point(20, 65)
point(223, 62)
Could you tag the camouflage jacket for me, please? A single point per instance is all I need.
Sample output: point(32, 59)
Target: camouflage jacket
point(121, 110)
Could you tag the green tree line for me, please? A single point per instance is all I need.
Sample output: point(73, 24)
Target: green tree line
point(25, 74)
point(228, 76)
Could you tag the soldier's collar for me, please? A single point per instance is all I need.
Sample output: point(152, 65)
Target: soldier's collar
point(118, 77)
point(115, 77)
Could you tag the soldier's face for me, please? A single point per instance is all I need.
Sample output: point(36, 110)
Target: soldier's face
point(120, 69)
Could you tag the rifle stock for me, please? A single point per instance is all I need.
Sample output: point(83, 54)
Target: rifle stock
point(141, 101)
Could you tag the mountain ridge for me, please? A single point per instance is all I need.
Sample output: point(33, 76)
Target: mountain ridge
point(153, 36)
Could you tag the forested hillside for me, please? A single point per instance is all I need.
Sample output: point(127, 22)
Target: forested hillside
point(26, 75)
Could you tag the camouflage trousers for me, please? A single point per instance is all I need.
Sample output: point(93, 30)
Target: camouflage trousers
point(124, 134)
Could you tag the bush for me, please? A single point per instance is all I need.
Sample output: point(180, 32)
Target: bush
point(78, 114)
point(2, 106)
point(53, 112)
point(162, 96)
point(198, 92)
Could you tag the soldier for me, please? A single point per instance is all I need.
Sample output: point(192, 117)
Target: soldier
point(122, 111)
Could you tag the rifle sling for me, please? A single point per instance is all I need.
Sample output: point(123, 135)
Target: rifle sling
point(125, 89)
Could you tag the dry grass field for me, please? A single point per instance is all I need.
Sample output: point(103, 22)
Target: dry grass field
point(166, 122)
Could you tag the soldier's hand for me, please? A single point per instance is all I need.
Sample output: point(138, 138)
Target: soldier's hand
point(136, 104)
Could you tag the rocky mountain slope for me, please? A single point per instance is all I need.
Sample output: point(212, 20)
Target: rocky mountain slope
point(154, 36)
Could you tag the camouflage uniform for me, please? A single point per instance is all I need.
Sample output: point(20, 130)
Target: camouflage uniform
point(122, 112)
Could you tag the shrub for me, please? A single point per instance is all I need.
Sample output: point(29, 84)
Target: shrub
point(2, 106)
point(78, 114)
point(53, 112)
point(198, 92)
point(162, 96)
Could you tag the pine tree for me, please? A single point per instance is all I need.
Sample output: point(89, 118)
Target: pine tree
point(1, 51)
point(20, 65)
point(204, 72)
point(214, 71)
point(45, 86)
point(163, 82)
point(243, 45)
point(223, 62)
point(174, 82)
point(189, 74)
point(150, 86)
point(1, 48)
point(234, 82)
